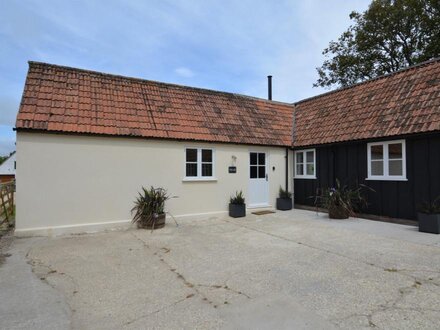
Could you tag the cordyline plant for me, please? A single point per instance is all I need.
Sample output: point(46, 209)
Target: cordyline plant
point(430, 208)
point(148, 206)
point(284, 193)
point(237, 199)
point(341, 200)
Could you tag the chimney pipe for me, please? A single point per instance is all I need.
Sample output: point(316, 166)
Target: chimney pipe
point(269, 87)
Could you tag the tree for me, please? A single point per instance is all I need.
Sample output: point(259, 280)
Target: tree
point(388, 36)
point(2, 159)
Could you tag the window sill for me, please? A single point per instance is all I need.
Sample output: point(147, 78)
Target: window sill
point(306, 177)
point(189, 179)
point(386, 179)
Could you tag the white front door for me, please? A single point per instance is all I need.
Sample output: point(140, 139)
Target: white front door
point(258, 180)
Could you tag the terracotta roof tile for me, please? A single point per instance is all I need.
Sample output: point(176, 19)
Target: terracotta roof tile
point(63, 99)
point(401, 103)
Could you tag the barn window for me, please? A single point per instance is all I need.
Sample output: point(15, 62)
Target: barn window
point(305, 164)
point(199, 164)
point(387, 160)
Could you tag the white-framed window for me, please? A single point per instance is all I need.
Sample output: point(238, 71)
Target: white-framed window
point(305, 164)
point(387, 160)
point(199, 164)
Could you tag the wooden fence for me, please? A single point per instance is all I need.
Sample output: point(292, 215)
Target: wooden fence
point(7, 190)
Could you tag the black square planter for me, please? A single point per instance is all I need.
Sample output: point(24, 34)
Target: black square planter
point(429, 223)
point(237, 210)
point(284, 204)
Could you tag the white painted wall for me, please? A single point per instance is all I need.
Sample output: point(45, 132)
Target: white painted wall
point(68, 183)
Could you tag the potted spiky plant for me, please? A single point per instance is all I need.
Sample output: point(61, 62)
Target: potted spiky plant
point(237, 206)
point(340, 201)
point(429, 217)
point(149, 208)
point(284, 200)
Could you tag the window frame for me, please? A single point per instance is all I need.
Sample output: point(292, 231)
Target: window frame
point(199, 176)
point(385, 147)
point(266, 165)
point(304, 164)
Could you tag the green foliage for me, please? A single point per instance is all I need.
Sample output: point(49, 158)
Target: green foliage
point(430, 208)
point(238, 198)
point(149, 205)
point(343, 198)
point(388, 36)
point(284, 193)
point(3, 158)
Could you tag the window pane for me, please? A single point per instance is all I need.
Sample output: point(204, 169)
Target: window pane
point(299, 169)
point(261, 159)
point(395, 151)
point(191, 155)
point(261, 172)
point(395, 167)
point(377, 152)
point(299, 157)
point(254, 158)
point(191, 169)
point(206, 155)
point(254, 171)
point(310, 169)
point(377, 167)
point(206, 169)
point(310, 157)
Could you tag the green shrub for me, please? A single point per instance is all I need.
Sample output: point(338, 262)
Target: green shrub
point(238, 198)
point(149, 205)
point(430, 208)
point(340, 197)
point(284, 193)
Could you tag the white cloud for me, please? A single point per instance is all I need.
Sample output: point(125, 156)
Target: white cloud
point(228, 45)
point(184, 72)
point(296, 48)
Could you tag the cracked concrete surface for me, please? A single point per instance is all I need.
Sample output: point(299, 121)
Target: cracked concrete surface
point(285, 270)
point(26, 301)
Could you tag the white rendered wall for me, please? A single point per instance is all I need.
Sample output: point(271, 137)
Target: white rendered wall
point(68, 183)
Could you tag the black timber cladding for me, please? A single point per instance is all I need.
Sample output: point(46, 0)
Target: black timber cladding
point(396, 199)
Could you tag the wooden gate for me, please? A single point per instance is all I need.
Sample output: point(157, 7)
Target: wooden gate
point(7, 191)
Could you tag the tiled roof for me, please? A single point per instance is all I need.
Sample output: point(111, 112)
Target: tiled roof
point(62, 99)
point(401, 103)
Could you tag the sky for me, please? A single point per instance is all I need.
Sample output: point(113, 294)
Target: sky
point(224, 45)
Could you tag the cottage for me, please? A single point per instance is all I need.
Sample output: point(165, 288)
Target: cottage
point(87, 141)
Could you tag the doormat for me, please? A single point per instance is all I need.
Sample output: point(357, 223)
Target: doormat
point(263, 212)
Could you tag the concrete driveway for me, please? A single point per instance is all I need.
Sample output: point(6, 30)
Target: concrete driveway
point(288, 270)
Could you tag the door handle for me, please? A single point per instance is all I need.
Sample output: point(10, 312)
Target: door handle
point(266, 177)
